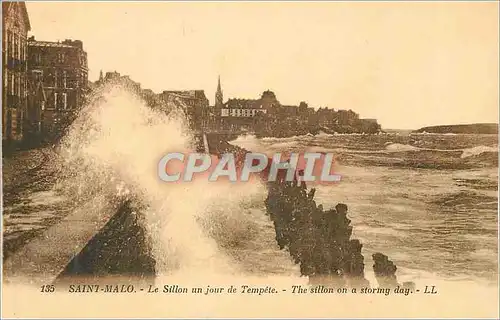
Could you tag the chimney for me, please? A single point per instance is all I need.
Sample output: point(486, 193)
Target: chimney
point(74, 43)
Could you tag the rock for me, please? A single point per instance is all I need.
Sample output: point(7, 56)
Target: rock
point(317, 239)
point(409, 285)
point(385, 271)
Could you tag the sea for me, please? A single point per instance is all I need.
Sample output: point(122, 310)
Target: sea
point(427, 201)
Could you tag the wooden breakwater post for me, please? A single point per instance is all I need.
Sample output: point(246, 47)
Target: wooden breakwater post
point(318, 240)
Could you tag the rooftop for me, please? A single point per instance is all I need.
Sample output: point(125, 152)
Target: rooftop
point(187, 93)
point(55, 44)
point(48, 44)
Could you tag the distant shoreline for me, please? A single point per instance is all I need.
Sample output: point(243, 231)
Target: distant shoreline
point(476, 128)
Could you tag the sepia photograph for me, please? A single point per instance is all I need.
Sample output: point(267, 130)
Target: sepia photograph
point(250, 159)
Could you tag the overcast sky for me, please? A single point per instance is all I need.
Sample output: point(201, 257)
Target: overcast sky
point(407, 64)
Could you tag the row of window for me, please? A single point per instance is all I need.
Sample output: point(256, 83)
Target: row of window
point(15, 83)
point(15, 46)
point(62, 57)
point(58, 101)
point(59, 78)
point(241, 112)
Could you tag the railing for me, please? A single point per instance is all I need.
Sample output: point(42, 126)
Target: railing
point(223, 131)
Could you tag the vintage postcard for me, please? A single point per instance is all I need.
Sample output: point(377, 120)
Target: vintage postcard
point(250, 159)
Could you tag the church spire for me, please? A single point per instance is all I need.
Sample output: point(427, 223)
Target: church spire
point(219, 97)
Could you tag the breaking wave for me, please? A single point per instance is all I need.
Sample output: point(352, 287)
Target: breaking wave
point(397, 147)
point(475, 151)
point(113, 150)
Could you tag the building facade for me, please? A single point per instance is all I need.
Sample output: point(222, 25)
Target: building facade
point(15, 27)
point(60, 70)
point(241, 114)
point(369, 125)
point(195, 105)
point(347, 117)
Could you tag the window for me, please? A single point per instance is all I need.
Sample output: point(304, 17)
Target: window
point(37, 58)
point(56, 78)
point(8, 45)
point(25, 86)
point(37, 76)
point(59, 101)
point(60, 79)
point(72, 100)
point(20, 54)
point(19, 85)
point(70, 80)
point(77, 76)
point(16, 49)
point(50, 79)
point(23, 91)
point(12, 76)
point(65, 101)
point(64, 79)
point(55, 100)
point(61, 57)
point(16, 83)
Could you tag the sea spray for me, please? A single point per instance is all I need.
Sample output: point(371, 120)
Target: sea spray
point(112, 149)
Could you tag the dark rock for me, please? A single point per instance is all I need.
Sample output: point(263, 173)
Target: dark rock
point(318, 240)
point(385, 271)
point(475, 128)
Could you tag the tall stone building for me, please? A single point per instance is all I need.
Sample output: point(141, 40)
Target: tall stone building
point(244, 114)
point(194, 104)
point(60, 70)
point(15, 27)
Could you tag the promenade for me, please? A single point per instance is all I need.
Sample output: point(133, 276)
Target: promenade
point(43, 228)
